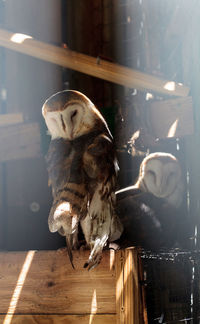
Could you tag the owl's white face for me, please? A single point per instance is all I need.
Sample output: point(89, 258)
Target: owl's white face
point(71, 119)
point(70, 123)
point(161, 178)
point(160, 174)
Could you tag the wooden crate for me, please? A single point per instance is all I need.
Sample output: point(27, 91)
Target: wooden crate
point(42, 287)
point(20, 141)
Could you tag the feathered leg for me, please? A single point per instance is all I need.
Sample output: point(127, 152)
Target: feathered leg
point(96, 236)
point(98, 226)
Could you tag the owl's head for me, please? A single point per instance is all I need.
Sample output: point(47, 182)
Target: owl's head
point(69, 114)
point(160, 174)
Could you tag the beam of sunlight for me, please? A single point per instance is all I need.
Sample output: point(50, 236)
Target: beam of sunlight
point(93, 306)
point(170, 86)
point(173, 128)
point(18, 288)
point(19, 38)
point(149, 96)
point(119, 287)
point(112, 259)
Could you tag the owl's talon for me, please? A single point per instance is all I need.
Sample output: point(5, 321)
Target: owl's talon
point(93, 262)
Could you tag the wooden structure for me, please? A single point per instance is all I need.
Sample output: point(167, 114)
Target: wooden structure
point(115, 73)
point(41, 287)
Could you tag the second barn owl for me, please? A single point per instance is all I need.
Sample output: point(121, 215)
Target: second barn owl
point(160, 174)
point(151, 210)
point(82, 169)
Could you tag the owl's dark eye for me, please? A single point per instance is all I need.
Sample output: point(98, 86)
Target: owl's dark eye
point(73, 114)
point(152, 173)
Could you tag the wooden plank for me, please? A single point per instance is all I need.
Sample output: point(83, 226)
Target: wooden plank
point(130, 287)
point(20, 141)
point(120, 286)
point(45, 283)
point(58, 319)
point(128, 299)
point(89, 65)
point(171, 118)
point(42, 286)
point(10, 119)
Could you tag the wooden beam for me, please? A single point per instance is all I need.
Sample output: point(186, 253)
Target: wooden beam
point(89, 65)
point(10, 119)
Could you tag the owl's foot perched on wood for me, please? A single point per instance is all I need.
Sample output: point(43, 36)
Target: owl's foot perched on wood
point(96, 252)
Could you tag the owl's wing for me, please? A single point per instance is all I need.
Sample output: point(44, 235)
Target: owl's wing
point(101, 223)
point(58, 164)
point(128, 191)
point(69, 197)
point(148, 221)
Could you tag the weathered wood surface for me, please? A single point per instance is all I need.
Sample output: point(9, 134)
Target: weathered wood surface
point(52, 286)
point(42, 287)
point(171, 118)
point(19, 141)
point(59, 319)
point(90, 65)
point(128, 297)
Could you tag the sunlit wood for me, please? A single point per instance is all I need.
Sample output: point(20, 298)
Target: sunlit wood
point(120, 286)
point(52, 286)
point(62, 319)
point(92, 66)
point(46, 284)
point(19, 287)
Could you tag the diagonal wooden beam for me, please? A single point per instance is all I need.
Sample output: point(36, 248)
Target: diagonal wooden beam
point(90, 65)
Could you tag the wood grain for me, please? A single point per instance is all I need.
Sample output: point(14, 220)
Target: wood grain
point(61, 319)
point(90, 65)
point(42, 287)
point(120, 287)
point(53, 287)
point(128, 298)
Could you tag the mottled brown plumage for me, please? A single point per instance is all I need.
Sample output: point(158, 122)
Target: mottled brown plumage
point(82, 171)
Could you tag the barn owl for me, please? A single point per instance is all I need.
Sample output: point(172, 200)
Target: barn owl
point(151, 210)
point(160, 174)
point(82, 170)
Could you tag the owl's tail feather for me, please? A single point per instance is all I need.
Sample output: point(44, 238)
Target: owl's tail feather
point(69, 239)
